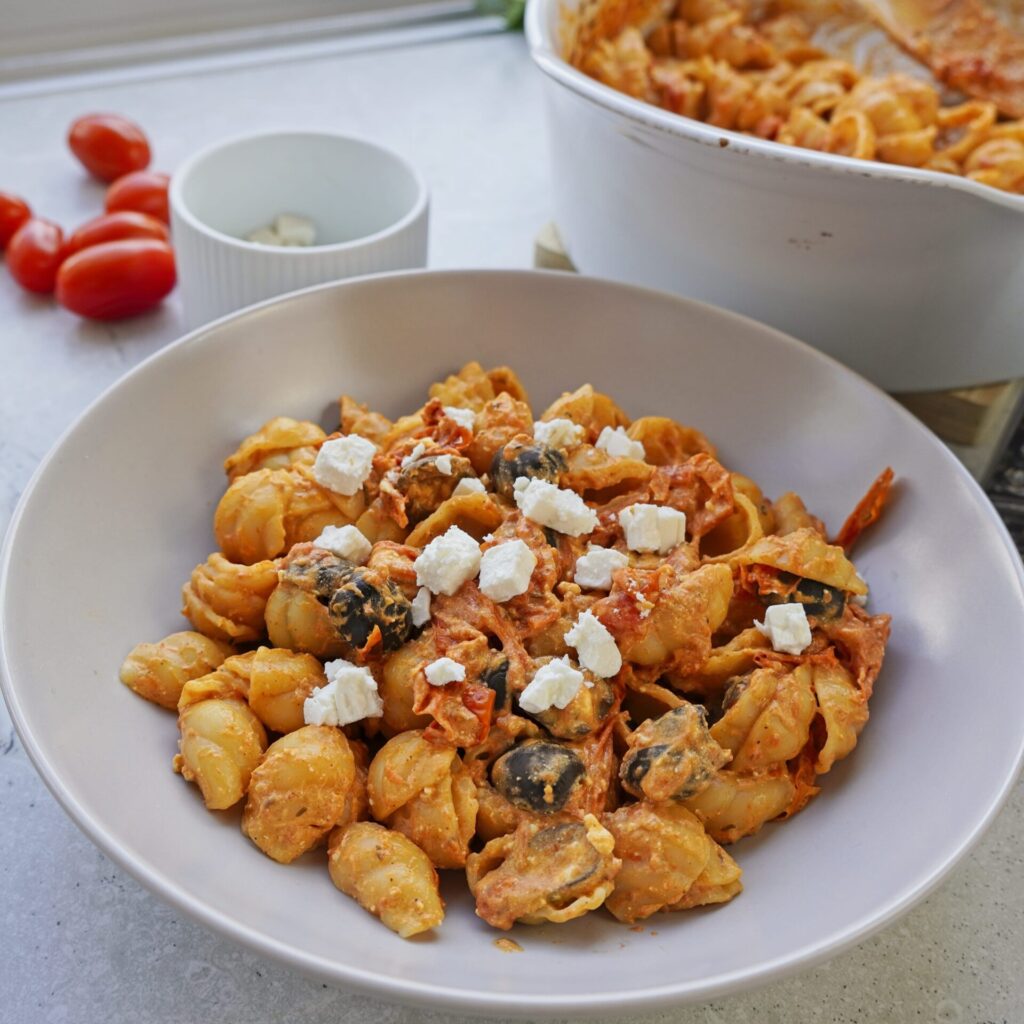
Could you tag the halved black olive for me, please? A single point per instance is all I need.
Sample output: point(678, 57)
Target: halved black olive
point(824, 602)
point(495, 677)
point(524, 457)
point(368, 599)
point(584, 714)
point(538, 776)
point(672, 757)
point(426, 487)
point(318, 571)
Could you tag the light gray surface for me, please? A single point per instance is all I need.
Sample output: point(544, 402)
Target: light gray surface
point(81, 942)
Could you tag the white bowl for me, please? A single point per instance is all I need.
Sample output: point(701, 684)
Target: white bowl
point(913, 278)
point(119, 513)
point(369, 205)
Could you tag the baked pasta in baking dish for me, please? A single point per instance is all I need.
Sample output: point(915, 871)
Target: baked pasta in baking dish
point(570, 654)
point(754, 66)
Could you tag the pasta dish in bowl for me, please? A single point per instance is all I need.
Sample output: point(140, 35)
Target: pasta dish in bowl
point(328, 702)
point(529, 649)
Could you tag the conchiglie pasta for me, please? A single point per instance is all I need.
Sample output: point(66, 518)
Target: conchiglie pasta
point(228, 601)
point(279, 443)
point(736, 804)
point(664, 851)
point(299, 791)
point(544, 872)
point(590, 409)
point(387, 875)
point(262, 514)
point(221, 744)
point(279, 683)
point(159, 671)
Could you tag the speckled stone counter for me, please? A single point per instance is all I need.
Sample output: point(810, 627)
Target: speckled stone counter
point(81, 942)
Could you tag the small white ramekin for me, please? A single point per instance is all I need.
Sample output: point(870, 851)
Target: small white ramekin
point(369, 205)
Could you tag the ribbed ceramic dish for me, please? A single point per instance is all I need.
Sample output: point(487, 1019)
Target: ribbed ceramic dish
point(120, 512)
point(369, 205)
point(913, 278)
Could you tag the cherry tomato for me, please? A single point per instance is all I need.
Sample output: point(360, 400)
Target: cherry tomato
point(13, 213)
point(116, 279)
point(34, 254)
point(109, 146)
point(112, 227)
point(142, 191)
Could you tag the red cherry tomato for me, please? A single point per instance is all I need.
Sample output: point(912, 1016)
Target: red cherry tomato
point(116, 279)
point(34, 254)
point(112, 227)
point(142, 191)
point(13, 213)
point(109, 146)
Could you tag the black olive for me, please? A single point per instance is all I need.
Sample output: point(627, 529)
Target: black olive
point(538, 776)
point(320, 572)
point(426, 487)
point(584, 714)
point(734, 688)
point(368, 599)
point(671, 757)
point(551, 536)
point(523, 457)
point(824, 602)
point(569, 856)
point(495, 678)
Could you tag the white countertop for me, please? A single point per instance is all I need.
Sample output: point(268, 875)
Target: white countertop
point(80, 941)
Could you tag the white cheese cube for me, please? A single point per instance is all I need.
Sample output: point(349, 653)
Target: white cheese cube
point(349, 696)
point(444, 671)
point(448, 561)
point(505, 570)
point(618, 443)
point(653, 527)
point(345, 542)
point(295, 230)
point(421, 607)
point(559, 433)
point(554, 685)
point(469, 485)
point(595, 646)
point(264, 236)
point(415, 455)
point(787, 628)
point(594, 569)
point(465, 418)
point(560, 509)
point(444, 464)
point(343, 464)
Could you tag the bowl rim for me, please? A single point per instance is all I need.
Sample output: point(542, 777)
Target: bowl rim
point(438, 996)
point(546, 55)
point(180, 209)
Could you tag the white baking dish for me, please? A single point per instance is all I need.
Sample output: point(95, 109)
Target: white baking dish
point(913, 278)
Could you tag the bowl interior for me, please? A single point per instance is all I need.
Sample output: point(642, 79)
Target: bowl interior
point(121, 512)
point(348, 187)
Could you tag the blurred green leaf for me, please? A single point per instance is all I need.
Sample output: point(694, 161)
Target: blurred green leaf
point(511, 10)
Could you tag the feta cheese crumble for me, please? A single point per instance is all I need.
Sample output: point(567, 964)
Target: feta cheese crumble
point(618, 443)
point(595, 646)
point(505, 570)
point(465, 418)
point(345, 542)
point(548, 505)
point(421, 607)
point(415, 455)
point(554, 685)
point(343, 464)
point(444, 671)
point(448, 561)
point(349, 696)
point(288, 229)
point(594, 569)
point(786, 627)
point(469, 485)
point(444, 464)
point(559, 433)
point(653, 527)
